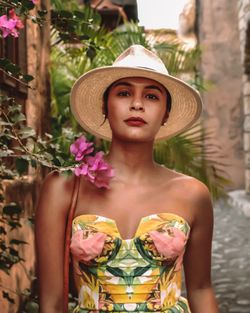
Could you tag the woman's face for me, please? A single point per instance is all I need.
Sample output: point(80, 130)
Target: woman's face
point(136, 108)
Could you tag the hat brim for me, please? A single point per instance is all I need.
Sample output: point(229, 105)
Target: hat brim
point(87, 98)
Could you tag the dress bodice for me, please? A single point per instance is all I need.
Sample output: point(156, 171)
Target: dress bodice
point(141, 274)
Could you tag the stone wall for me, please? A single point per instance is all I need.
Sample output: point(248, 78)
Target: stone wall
point(244, 28)
point(221, 69)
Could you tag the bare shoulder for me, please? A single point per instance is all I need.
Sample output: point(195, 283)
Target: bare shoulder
point(194, 193)
point(196, 189)
point(192, 187)
point(56, 192)
point(198, 198)
point(58, 180)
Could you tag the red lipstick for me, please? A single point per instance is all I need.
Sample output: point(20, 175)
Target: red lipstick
point(135, 121)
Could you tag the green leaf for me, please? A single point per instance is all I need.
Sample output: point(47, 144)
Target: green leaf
point(42, 13)
point(17, 242)
point(48, 156)
point(3, 123)
point(12, 68)
point(6, 153)
point(4, 268)
point(22, 165)
point(46, 163)
point(14, 224)
point(15, 107)
point(19, 10)
point(7, 296)
point(13, 252)
point(26, 132)
point(3, 245)
point(17, 117)
point(27, 78)
point(4, 62)
point(12, 209)
point(29, 5)
point(2, 231)
point(33, 163)
point(79, 14)
point(66, 14)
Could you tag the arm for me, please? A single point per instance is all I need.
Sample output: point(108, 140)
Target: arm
point(197, 260)
point(50, 224)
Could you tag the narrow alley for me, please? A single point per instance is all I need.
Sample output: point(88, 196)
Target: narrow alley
point(231, 259)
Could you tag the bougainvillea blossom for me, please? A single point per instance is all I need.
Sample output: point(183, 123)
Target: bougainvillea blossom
point(94, 168)
point(9, 25)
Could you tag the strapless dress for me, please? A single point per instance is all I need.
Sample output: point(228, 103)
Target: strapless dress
point(141, 274)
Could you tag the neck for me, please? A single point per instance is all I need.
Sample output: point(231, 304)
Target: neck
point(133, 162)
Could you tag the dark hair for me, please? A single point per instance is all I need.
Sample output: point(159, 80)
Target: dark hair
point(106, 95)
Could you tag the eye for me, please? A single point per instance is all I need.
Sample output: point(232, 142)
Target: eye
point(152, 96)
point(123, 93)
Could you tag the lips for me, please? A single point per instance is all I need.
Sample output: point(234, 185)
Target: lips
point(136, 119)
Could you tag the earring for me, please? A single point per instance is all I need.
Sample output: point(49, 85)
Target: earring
point(164, 124)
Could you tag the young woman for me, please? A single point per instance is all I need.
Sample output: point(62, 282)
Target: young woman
point(129, 241)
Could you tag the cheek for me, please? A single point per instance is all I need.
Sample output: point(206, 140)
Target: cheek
point(117, 107)
point(158, 113)
point(116, 113)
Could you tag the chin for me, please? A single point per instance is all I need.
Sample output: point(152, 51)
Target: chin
point(137, 138)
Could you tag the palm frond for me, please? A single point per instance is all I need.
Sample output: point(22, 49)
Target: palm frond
point(178, 58)
point(117, 41)
point(190, 152)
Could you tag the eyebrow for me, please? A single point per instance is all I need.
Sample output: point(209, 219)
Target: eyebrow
point(130, 85)
point(154, 87)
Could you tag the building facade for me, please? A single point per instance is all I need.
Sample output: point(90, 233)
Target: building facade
point(221, 67)
point(244, 30)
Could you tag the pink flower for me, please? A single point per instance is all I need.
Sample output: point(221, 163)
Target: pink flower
point(10, 26)
point(35, 1)
point(170, 244)
point(13, 16)
point(7, 26)
point(82, 169)
point(87, 249)
point(99, 171)
point(81, 147)
point(94, 168)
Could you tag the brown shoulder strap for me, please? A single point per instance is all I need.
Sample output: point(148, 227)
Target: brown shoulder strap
point(67, 243)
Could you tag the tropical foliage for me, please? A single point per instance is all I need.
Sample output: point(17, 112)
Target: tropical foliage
point(79, 43)
point(187, 152)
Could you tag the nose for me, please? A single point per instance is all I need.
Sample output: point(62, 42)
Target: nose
point(136, 105)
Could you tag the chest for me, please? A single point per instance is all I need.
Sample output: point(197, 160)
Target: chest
point(127, 206)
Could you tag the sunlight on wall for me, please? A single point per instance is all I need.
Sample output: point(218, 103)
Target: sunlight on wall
point(160, 13)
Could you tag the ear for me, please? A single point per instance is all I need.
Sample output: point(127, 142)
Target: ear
point(165, 118)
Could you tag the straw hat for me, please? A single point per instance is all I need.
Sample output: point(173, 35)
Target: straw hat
point(87, 93)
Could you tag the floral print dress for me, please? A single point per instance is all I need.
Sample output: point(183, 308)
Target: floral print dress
point(142, 274)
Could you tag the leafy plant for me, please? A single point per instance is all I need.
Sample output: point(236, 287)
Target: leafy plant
point(186, 152)
point(9, 221)
point(79, 43)
point(21, 143)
